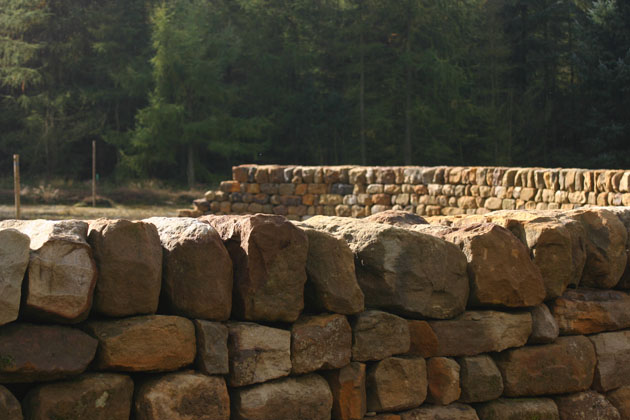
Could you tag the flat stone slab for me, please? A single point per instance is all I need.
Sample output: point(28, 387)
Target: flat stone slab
point(518, 409)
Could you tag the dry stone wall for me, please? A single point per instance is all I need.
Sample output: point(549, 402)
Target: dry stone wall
point(298, 192)
point(508, 315)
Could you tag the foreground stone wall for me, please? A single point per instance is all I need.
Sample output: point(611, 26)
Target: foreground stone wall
point(299, 192)
point(504, 316)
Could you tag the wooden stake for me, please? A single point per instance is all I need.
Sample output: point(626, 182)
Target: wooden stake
point(16, 184)
point(93, 173)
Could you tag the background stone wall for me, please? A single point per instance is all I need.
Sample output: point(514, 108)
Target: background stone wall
point(507, 315)
point(299, 192)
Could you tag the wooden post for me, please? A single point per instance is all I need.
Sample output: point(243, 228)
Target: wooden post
point(93, 173)
point(16, 184)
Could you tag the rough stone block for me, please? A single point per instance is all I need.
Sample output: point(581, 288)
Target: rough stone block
point(587, 405)
point(476, 332)
point(613, 360)
point(183, 396)
point(396, 383)
point(320, 342)
point(129, 259)
point(620, 399)
point(544, 326)
point(377, 335)
point(305, 397)
point(269, 255)
point(518, 409)
point(14, 256)
point(397, 218)
point(92, 396)
point(37, 353)
point(152, 343)
point(480, 379)
point(9, 405)
point(257, 353)
point(443, 379)
point(423, 341)
point(437, 412)
point(398, 270)
point(568, 365)
point(197, 269)
point(61, 271)
point(588, 311)
point(348, 390)
point(212, 350)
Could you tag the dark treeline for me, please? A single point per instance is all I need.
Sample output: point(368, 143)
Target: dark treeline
point(182, 89)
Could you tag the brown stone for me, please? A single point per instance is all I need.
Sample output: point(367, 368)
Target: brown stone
point(14, 256)
point(620, 399)
point(61, 272)
point(476, 332)
point(423, 341)
point(197, 269)
point(257, 353)
point(396, 383)
point(587, 405)
point(587, 311)
point(437, 412)
point(613, 360)
point(332, 283)
point(624, 215)
point(320, 342)
point(605, 240)
point(377, 335)
point(269, 255)
point(568, 365)
point(92, 396)
point(129, 259)
point(518, 409)
point(443, 380)
point(183, 396)
point(544, 326)
point(37, 353)
point(9, 405)
point(480, 379)
point(348, 390)
point(398, 270)
point(305, 397)
point(152, 343)
point(499, 266)
point(397, 218)
point(383, 417)
point(212, 350)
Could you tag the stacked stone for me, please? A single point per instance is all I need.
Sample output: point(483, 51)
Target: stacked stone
point(299, 192)
point(509, 315)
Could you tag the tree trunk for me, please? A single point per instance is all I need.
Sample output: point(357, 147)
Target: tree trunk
point(362, 97)
point(190, 167)
point(407, 146)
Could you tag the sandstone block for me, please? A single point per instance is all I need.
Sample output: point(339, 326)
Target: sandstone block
point(320, 342)
point(396, 383)
point(544, 326)
point(305, 397)
point(14, 256)
point(480, 379)
point(518, 409)
point(398, 270)
point(183, 396)
point(92, 396)
point(423, 341)
point(269, 255)
point(377, 335)
point(383, 417)
point(568, 365)
point(587, 405)
point(437, 412)
point(152, 343)
point(37, 353)
point(9, 405)
point(613, 360)
point(61, 271)
point(212, 350)
point(257, 353)
point(620, 399)
point(332, 283)
point(197, 269)
point(587, 311)
point(443, 379)
point(348, 390)
point(397, 218)
point(129, 259)
point(476, 332)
